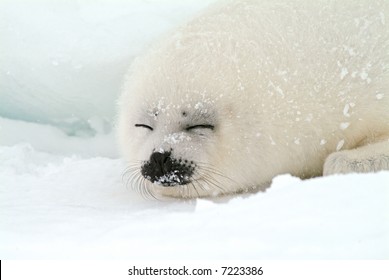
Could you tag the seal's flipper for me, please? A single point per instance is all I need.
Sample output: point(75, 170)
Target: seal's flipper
point(368, 158)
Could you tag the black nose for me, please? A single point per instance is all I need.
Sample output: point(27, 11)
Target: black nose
point(162, 169)
point(161, 162)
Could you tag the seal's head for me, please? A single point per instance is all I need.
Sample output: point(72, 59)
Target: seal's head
point(187, 125)
point(174, 146)
point(180, 130)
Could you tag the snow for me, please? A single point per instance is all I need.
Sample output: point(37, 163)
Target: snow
point(379, 96)
point(343, 73)
point(61, 189)
point(340, 144)
point(346, 110)
point(175, 138)
point(344, 125)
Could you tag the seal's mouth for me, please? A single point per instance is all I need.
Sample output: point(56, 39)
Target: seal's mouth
point(161, 169)
point(171, 179)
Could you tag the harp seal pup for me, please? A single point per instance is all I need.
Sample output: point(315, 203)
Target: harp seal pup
point(251, 89)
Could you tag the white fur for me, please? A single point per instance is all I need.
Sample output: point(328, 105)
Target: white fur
point(286, 84)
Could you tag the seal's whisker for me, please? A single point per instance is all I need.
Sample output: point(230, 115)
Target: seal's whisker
point(214, 171)
point(142, 190)
point(200, 185)
point(128, 182)
point(194, 187)
point(211, 181)
point(209, 178)
point(130, 172)
point(134, 181)
point(133, 178)
point(209, 167)
point(149, 192)
point(186, 190)
point(134, 165)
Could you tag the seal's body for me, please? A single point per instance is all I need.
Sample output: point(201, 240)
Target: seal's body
point(252, 89)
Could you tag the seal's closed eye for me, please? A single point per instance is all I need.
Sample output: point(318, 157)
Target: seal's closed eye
point(145, 126)
point(200, 126)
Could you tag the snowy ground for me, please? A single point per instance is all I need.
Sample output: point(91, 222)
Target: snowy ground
point(61, 190)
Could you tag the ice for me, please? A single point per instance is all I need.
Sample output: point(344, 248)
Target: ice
point(62, 61)
point(53, 140)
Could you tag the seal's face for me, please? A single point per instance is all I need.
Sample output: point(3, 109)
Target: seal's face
point(169, 144)
point(174, 137)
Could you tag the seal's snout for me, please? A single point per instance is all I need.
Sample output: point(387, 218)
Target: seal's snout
point(163, 170)
point(161, 162)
